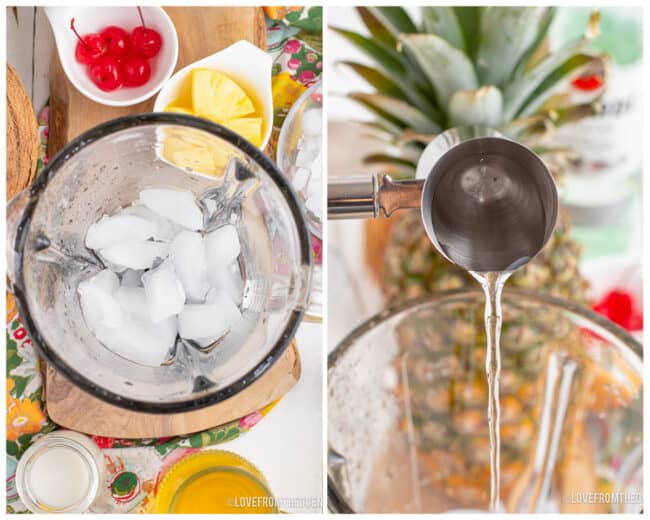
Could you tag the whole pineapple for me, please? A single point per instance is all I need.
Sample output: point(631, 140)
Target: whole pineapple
point(466, 66)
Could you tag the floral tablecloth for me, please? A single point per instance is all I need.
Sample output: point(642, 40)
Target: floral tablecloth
point(133, 467)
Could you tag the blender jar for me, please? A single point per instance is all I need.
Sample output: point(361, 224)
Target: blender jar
point(407, 410)
point(105, 169)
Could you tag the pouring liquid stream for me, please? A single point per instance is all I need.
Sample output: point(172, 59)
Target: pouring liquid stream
point(492, 284)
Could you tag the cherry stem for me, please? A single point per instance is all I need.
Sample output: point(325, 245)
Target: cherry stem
point(77, 34)
point(141, 17)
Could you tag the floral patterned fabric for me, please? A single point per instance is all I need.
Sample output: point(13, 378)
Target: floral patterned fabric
point(134, 467)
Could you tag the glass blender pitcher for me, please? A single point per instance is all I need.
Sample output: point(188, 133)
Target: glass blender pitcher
point(105, 169)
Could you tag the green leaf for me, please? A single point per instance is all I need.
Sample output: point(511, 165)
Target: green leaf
point(12, 448)
point(442, 21)
point(396, 19)
point(12, 346)
point(376, 27)
point(395, 86)
point(469, 19)
point(20, 382)
point(542, 30)
point(387, 58)
point(231, 434)
point(396, 170)
point(384, 158)
point(24, 439)
point(196, 441)
point(397, 111)
point(447, 68)
point(476, 107)
point(521, 92)
point(382, 83)
point(13, 361)
point(506, 34)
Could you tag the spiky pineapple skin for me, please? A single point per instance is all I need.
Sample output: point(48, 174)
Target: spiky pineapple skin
point(407, 265)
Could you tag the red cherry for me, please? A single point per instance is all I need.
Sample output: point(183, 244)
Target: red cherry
point(105, 72)
point(145, 42)
point(588, 83)
point(117, 40)
point(90, 47)
point(136, 71)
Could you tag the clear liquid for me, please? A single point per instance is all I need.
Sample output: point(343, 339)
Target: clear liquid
point(492, 284)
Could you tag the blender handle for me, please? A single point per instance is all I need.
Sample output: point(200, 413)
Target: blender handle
point(15, 211)
point(366, 197)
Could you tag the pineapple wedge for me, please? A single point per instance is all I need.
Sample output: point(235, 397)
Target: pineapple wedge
point(250, 128)
point(215, 96)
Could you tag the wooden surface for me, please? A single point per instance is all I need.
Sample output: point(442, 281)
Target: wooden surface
point(71, 407)
point(22, 136)
point(202, 31)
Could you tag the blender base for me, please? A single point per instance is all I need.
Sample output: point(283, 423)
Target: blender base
point(71, 407)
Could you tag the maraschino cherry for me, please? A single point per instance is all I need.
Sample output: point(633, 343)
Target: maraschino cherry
point(136, 71)
point(117, 40)
point(145, 42)
point(106, 73)
point(90, 47)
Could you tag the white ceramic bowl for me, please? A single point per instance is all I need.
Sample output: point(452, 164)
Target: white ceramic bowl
point(94, 19)
point(243, 62)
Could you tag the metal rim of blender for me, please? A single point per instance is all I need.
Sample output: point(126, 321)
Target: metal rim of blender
point(335, 499)
point(428, 188)
point(99, 132)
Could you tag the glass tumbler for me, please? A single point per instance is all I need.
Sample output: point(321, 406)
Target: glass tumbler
point(407, 419)
point(105, 169)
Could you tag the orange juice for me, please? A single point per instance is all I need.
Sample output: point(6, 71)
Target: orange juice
point(214, 481)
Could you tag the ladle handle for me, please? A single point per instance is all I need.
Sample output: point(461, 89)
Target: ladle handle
point(367, 197)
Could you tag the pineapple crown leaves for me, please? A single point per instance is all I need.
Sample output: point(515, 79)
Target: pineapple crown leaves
point(467, 66)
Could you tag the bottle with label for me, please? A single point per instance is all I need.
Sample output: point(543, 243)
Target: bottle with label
point(603, 192)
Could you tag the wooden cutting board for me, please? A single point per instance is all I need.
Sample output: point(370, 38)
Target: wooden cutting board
point(201, 31)
point(71, 407)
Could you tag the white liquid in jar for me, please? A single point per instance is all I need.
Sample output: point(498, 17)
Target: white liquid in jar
point(59, 478)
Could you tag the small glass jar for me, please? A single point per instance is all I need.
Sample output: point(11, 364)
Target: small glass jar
point(60, 473)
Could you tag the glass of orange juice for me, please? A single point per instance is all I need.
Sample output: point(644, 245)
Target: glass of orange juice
point(214, 481)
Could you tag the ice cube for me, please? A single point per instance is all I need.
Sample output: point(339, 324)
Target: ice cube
point(176, 205)
point(228, 280)
point(118, 228)
point(312, 122)
point(225, 305)
point(105, 281)
point(139, 338)
point(164, 290)
point(188, 257)
point(143, 341)
point(315, 205)
point(134, 255)
point(221, 247)
point(207, 322)
point(132, 278)
point(98, 303)
point(300, 179)
point(133, 301)
point(166, 230)
point(308, 150)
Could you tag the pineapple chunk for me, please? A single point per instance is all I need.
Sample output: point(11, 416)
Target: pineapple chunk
point(178, 110)
point(250, 128)
point(187, 150)
point(216, 96)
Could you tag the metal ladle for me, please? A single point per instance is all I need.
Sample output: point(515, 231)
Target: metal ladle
point(488, 204)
